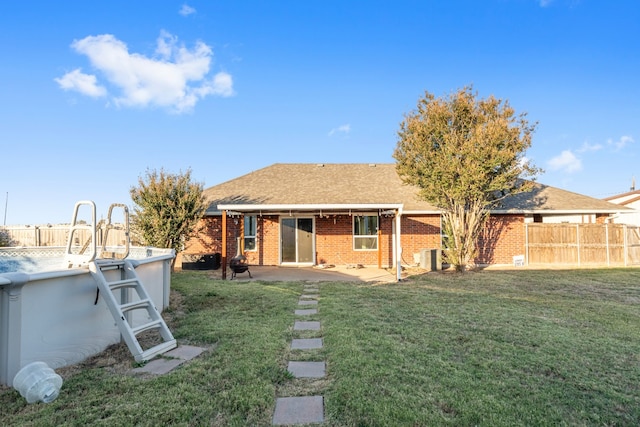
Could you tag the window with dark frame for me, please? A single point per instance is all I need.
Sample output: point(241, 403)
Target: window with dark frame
point(365, 232)
point(250, 233)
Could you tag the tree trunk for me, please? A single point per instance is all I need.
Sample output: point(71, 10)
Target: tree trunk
point(462, 225)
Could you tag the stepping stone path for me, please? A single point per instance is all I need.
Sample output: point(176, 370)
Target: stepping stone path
point(302, 410)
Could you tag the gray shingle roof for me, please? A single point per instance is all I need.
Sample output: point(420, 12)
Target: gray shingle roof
point(379, 184)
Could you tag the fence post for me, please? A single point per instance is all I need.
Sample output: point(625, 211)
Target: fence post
point(526, 243)
point(578, 241)
point(626, 249)
point(606, 236)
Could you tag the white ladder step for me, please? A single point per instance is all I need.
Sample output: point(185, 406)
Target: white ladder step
point(126, 283)
point(158, 350)
point(145, 303)
point(147, 327)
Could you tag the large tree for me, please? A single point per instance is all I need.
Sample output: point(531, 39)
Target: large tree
point(465, 154)
point(167, 208)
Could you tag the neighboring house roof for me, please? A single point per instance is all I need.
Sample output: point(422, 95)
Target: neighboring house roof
point(624, 198)
point(363, 186)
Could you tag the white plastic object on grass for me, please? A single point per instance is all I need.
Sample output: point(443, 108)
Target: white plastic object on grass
point(38, 382)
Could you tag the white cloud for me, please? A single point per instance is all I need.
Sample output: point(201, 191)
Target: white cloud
point(545, 3)
point(186, 10)
point(565, 161)
point(86, 84)
point(176, 79)
point(621, 143)
point(586, 147)
point(344, 129)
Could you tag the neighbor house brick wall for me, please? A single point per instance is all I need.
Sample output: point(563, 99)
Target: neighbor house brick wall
point(503, 238)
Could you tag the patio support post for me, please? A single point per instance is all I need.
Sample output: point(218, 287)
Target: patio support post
point(224, 245)
point(379, 241)
point(398, 245)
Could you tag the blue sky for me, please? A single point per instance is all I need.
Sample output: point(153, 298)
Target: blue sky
point(94, 94)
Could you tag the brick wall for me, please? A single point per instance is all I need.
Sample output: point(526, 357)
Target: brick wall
point(334, 242)
point(267, 242)
point(209, 238)
point(502, 239)
point(419, 232)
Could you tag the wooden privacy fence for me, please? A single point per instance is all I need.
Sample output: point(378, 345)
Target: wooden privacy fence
point(582, 244)
point(56, 235)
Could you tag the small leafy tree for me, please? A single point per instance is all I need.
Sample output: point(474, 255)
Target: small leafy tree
point(5, 239)
point(167, 209)
point(465, 155)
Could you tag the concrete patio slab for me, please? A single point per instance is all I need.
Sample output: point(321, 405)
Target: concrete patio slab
point(311, 276)
point(306, 343)
point(307, 369)
point(299, 410)
point(306, 326)
point(306, 312)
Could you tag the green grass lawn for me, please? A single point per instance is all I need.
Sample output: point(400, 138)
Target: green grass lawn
point(491, 348)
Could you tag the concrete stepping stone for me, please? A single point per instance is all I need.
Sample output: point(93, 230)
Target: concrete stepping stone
point(306, 312)
point(306, 326)
point(307, 369)
point(311, 290)
point(306, 343)
point(170, 360)
point(309, 296)
point(299, 410)
point(307, 302)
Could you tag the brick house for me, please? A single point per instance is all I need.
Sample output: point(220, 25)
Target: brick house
point(631, 200)
point(310, 214)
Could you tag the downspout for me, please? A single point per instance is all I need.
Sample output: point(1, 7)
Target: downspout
point(398, 245)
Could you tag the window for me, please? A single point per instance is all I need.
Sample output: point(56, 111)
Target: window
point(249, 232)
point(365, 233)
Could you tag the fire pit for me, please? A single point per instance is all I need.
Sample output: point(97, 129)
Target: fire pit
point(239, 264)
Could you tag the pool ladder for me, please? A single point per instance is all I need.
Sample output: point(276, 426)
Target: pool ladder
point(130, 305)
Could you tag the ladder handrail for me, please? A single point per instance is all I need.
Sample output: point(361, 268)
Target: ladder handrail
point(74, 260)
point(108, 226)
point(80, 258)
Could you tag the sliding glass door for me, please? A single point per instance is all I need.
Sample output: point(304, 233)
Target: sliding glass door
point(296, 241)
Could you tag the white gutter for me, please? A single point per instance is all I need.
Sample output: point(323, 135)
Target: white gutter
point(307, 207)
point(422, 212)
point(554, 211)
point(525, 211)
